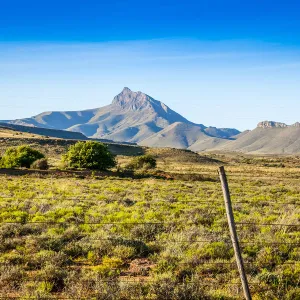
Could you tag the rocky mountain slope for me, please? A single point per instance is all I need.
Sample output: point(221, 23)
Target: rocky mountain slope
point(131, 117)
point(267, 138)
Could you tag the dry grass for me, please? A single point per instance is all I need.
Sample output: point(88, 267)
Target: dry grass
point(10, 133)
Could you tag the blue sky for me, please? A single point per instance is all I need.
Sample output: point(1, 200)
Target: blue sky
point(220, 63)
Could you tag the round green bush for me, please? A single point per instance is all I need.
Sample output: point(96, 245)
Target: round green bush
point(22, 157)
point(89, 155)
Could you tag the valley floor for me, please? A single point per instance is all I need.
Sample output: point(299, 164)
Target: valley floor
point(95, 237)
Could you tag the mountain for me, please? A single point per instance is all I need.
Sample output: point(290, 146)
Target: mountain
point(268, 137)
point(135, 117)
point(131, 117)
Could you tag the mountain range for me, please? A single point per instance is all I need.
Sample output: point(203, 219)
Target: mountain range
point(135, 117)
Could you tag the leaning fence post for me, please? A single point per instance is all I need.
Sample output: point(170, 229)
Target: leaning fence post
point(233, 233)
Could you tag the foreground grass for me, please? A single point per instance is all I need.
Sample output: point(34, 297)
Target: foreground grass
point(113, 238)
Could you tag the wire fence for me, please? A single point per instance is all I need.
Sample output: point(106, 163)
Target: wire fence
point(155, 202)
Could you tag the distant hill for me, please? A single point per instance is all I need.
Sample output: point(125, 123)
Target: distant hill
point(44, 131)
point(177, 135)
point(267, 138)
point(189, 136)
point(131, 117)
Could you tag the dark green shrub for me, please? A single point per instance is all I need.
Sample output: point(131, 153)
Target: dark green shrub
point(22, 156)
point(89, 155)
point(40, 164)
point(142, 162)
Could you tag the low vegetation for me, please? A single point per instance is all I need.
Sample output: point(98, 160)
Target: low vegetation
point(99, 237)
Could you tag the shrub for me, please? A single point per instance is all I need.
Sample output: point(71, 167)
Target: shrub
point(92, 257)
point(45, 257)
point(11, 277)
point(36, 290)
point(89, 155)
point(75, 287)
point(40, 164)
point(79, 285)
point(12, 258)
point(52, 274)
point(123, 252)
point(142, 162)
point(22, 156)
point(110, 267)
point(165, 286)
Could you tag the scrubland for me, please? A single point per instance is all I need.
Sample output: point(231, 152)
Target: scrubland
point(107, 237)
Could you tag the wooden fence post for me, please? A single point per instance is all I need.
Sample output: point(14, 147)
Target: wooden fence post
point(233, 233)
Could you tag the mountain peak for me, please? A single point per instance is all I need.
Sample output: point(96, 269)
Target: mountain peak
point(271, 124)
point(128, 99)
point(126, 90)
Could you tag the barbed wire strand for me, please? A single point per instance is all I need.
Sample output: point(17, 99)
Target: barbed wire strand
point(263, 202)
point(140, 223)
point(127, 239)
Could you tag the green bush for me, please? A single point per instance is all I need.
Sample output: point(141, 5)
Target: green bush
point(142, 162)
point(89, 155)
point(40, 164)
point(22, 156)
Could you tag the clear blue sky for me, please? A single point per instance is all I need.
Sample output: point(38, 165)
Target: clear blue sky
point(221, 63)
